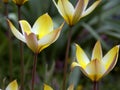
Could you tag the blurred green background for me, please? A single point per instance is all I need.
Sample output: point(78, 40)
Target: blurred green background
point(102, 24)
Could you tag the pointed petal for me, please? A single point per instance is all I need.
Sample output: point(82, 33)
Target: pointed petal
point(82, 58)
point(91, 8)
point(97, 51)
point(31, 41)
point(71, 87)
point(110, 59)
point(74, 64)
point(26, 28)
point(47, 87)
point(12, 86)
point(49, 38)
point(95, 70)
point(43, 25)
point(16, 33)
point(66, 9)
point(86, 4)
point(78, 11)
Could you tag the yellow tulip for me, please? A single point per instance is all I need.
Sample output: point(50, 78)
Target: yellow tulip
point(47, 87)
point(40, 36)
point(98, 66)
point(12, 86)
point(19, 2)
point(73, 14)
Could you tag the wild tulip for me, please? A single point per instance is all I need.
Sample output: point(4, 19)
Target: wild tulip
point(73, 14)
point(98, 66)
point(40, 36)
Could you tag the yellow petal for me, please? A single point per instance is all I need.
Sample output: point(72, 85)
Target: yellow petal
point(31, 41)
point(43, 26)
point(63, 14)
point(97, 51)
point(91, 8)
point(49, 38)
point(47, 87)
point(110, 59)
point(71, 87)
point(12, 86)
point(16, 33)
point(26, 28)
point(66, 9)
point(78, 11)
point(74, 64)
point(95, 70)
point(82, 58)
point(86, 4)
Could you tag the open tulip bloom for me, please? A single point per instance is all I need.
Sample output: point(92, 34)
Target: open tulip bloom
point(40, 36)
point(72, 15)
point(98, 66)
point(12, 86)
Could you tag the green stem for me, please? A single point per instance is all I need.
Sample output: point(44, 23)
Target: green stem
point(66, 58)
point(21, 52)
point(34, 70)
point(95, 85)
point(9, 42)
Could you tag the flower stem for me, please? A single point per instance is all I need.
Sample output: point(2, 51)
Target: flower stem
point(21, 52)
point(95, 85)
point(9, 41)
point(34, 70)
point(66, 58)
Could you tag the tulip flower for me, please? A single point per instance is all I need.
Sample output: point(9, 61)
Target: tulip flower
point(47, 87)
point(12, 86)
point(40, 36)
point(98, 66)
point(19, 2)
point(73, 14)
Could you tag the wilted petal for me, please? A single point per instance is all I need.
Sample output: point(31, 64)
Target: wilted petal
point(31, 41)
point(78, 11)
point(71, 87)
point(47, 87)
point(12, 86)
point(16, 33)
point(66, 9)
point(81, 57)
point(43, 26)
point(97, 51)
point(110, 59)
point(95, 70)
point(26, 28)
point(91, 8)
point(49, 38)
